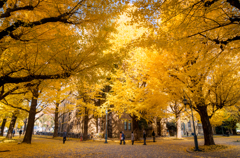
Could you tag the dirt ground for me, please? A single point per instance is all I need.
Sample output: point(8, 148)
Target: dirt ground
point(164, 147)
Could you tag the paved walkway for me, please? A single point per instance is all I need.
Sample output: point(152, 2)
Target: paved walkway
point(164, 147)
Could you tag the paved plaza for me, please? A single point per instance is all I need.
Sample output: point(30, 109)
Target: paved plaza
point(164, 147)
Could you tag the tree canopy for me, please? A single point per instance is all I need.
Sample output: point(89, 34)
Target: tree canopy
point(151, 53)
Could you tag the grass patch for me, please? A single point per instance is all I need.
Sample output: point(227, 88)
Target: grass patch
point(9, 140)
point(209, 148)
point(13, 140)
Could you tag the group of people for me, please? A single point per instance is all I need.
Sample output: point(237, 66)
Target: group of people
point(122, 137)
point(20, 133)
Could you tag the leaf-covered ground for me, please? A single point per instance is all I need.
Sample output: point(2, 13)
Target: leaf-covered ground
point(164, 147)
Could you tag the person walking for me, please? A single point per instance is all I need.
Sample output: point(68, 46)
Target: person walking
point(153, 134)
point(64, 136)
point(92, 136)
point(120, 137)
point(144, 137)
point(187, 133)
point(13, 132)
point(123, 138)
point(228, 133)
point(20, 133)
point(132, 137)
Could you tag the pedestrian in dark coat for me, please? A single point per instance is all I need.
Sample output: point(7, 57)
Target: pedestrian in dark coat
point(64, 136)
point(123, 138)
point(153, 134)
point(120, 137)
point(144, 137)
point(132, 137)
point(13, 132)
point(20, 133)
point(228, 133)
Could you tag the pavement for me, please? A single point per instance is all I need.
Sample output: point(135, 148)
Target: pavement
point(164, 147)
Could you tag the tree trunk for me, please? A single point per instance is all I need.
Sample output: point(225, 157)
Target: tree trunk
point(178, 124)
point(109, 124)
point(214, 129)
point(160, 128)
point(135, 128)
point(97, 124)
point(55, 134)
point(222, 130)
point(62, 129)
point(207, 128)
point(234, 131)
point(12, 125)
point(31, 118)
point(86, 119)
point(25, 126)
point(2, 127)
point(164, 131)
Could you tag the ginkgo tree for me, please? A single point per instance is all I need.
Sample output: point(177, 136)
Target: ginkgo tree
point(134, 93)
point(177, 109)
point(203, 19)
point(41, 27)
point(5, 116)
point(209, 81)
point(16, 107)
point(193, 39)
point(50, 40)
point(131, 89)
point(218, 117)
point(58, 92)
point(233, 118)
point(89, 94)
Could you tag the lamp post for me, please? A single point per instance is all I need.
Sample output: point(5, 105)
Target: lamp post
point(195, 136)
point(106, 127)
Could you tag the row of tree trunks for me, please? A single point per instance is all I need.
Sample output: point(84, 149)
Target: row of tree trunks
point(3, 125)
point(55, 134)
point(12, 125)
point(31, 118)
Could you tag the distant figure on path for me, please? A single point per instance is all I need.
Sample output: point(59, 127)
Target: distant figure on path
point(153, 134)
point(132, 137)
point(120, 137)
point(144, 137)
point(228, 133)
point(187, 133)
point(92, 135)
point(20, 133)
point(13, 132)
point(64, 136)
point(123, 138)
